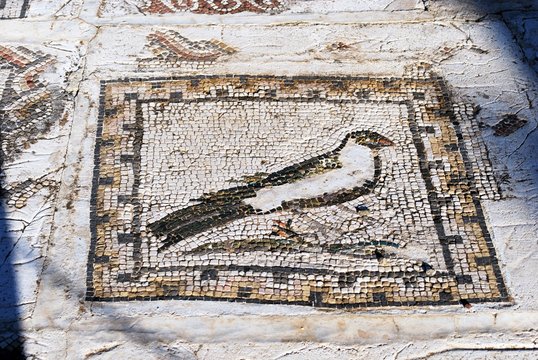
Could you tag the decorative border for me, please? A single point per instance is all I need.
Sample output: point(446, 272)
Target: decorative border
point(170, 49)
point(28, 105)
point(407, 91)
point(213, 6)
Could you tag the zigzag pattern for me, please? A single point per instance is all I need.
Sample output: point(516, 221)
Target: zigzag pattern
point(213, 6)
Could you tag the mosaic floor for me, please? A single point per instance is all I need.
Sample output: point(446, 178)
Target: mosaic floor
point(28, 106)
point(321, 191)
point(268, 179)
point(13, 9)
point(211, 6)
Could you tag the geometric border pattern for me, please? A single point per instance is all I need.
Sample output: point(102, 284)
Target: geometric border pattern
point(446, 142)
point(213, 6)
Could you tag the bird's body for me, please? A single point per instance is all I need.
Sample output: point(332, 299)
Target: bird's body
point(340, 175)
point(356, 165)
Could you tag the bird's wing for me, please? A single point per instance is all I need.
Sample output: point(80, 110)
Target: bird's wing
point(289, 174)
point(197, 217)
point(315, 165)
point(234, 194)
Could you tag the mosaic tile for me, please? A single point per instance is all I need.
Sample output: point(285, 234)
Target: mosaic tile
point(19, 193)
point(34, 131)
point(170, 49)
point(213, 6)
point(10, 344)
point(29, 107)
point(115, 8)
point(321, 191)
point(13, 9)
point(509, 124)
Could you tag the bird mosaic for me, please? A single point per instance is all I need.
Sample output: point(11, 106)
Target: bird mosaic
point(340, 175)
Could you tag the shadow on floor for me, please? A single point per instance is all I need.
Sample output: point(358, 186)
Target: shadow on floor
point(11, 342)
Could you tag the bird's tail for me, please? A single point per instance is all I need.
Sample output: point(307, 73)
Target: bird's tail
point(196, 219)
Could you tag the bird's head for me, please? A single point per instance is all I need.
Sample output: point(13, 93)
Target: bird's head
point(371, 139)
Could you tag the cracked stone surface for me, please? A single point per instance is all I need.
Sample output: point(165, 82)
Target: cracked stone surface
point(161, 169)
